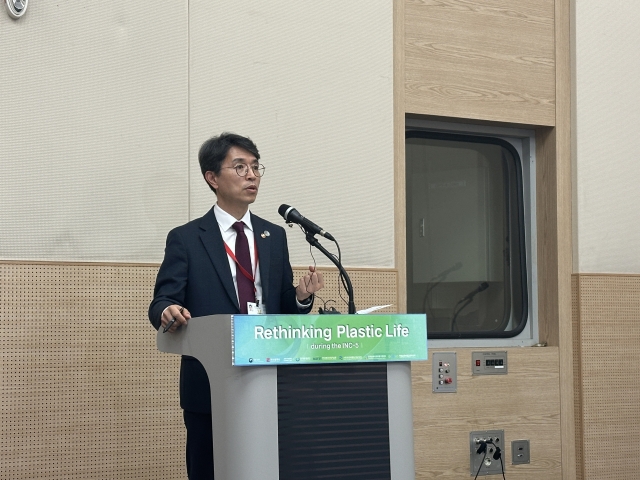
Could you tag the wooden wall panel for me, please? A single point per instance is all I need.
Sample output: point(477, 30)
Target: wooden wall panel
point(507, 63)
point(399, 189)
point(608, 310)
point(547, 218)
point(85, 394)
point(525, 403)
point(481, 59)
point(563, 199)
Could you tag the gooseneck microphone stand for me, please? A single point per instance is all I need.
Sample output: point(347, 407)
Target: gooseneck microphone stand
point(348, 286)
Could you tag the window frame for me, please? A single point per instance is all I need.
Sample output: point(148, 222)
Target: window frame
point(522, 142)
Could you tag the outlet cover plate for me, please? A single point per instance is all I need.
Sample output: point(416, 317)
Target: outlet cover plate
point(490, 465)
point(520, 452)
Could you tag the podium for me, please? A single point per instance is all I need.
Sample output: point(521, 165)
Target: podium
point(342, 421)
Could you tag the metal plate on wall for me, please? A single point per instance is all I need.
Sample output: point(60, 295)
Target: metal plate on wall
point(489, 363)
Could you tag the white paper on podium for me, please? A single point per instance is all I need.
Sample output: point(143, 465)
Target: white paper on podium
point(371, 309)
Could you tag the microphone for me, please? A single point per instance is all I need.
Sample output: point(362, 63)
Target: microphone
point(481, 288)
point(291, 215)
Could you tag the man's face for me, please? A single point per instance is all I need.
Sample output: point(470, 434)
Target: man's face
point(233, 190)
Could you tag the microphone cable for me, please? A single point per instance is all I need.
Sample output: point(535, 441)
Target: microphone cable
point(497, 455)
point(340, 275)
point(481, 449)
point(306, 284)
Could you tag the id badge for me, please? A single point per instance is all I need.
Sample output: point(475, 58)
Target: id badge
point(255, 308)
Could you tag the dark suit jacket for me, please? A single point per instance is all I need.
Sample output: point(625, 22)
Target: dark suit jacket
point(195, 273)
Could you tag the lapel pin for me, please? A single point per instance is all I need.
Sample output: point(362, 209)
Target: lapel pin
point(265, 234)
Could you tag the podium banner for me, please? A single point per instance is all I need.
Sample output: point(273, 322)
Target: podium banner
point(307, 339)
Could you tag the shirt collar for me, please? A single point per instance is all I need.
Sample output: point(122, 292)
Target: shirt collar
point(226, 220)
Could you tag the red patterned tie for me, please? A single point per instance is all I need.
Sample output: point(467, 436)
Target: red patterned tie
point(246, 287)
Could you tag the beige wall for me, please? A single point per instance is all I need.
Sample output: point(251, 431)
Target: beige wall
point(98, 158)
point(606, 120)
point(606, 235)
point(93, 144)
point(312, 84)
point(104, 109)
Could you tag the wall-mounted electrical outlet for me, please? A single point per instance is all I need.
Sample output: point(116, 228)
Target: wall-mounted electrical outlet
point(485, 452)
point(520, 452)
point(444, 376)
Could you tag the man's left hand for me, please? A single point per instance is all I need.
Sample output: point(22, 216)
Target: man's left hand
point(309, 284)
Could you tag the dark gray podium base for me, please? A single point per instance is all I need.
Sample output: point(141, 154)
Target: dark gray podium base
point(333, 422)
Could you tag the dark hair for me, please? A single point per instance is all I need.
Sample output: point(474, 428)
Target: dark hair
point(214, 151)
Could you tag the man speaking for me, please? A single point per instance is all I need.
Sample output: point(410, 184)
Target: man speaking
point(227, 262)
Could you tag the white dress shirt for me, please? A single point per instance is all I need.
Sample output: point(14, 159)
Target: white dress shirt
point(229, 234)
point(225, 223)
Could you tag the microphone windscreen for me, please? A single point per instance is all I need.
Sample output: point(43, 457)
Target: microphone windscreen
point(283, 210)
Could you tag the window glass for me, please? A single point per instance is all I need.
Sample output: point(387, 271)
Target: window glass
point(466, 265)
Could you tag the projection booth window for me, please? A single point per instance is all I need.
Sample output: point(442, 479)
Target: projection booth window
point(466, 265)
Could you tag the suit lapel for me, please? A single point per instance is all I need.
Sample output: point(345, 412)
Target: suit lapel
point(213, 244)
point(264, 253)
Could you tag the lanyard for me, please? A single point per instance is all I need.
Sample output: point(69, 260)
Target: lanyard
point(240, 267)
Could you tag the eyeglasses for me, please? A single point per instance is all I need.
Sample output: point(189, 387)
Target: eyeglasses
point(242, 169)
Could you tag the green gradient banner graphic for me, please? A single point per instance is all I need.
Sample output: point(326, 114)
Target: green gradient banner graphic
point(287, 339)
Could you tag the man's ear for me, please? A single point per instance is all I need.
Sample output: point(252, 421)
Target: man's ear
point(211, 178)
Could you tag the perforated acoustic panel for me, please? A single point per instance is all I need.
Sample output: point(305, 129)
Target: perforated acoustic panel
point(577, 376)
point(371, 287)
point(85, 394)
point(609, 340)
